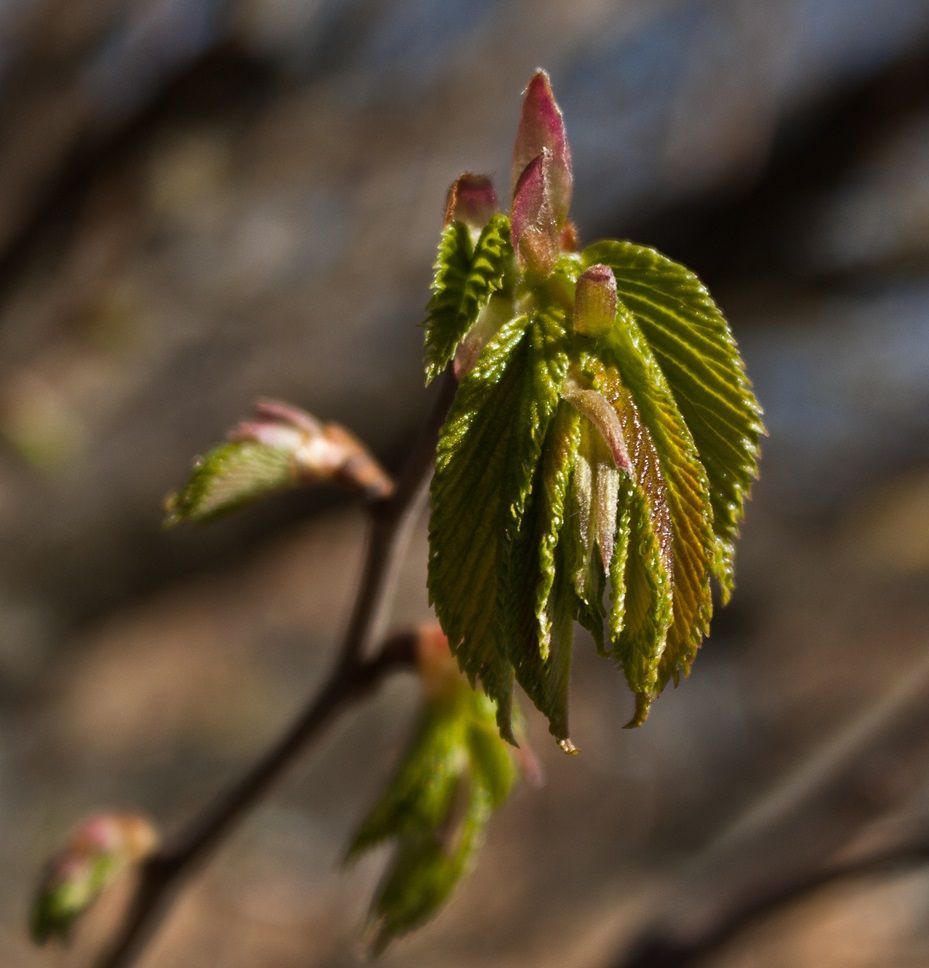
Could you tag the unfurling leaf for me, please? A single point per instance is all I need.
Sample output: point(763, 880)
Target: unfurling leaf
point(455, 771)
point(598, 454)
point(467, 274)
point(101, 849)
point(281, 447)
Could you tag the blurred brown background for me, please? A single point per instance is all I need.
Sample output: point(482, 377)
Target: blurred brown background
point(203, 201)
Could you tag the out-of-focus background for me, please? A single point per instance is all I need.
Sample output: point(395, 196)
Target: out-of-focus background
point(205, 201)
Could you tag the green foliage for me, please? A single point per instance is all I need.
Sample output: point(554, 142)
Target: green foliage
point(228, 477)
point(466, 276)
point(549, 507)
point(691, 341)
point(435, 807)
point(486, 464)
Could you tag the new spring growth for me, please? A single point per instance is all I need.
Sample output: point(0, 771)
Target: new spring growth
point(99, 851)
point(319, 452)
point(436, 804)
point(471, 200)
point(603, 440)
point(281, 447)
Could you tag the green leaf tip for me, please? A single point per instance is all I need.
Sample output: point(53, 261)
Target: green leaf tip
point(614, 513)
point(455, 771)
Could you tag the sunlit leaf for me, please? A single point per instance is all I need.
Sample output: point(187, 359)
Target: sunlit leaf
point(693, 345)
point(486, 462)
point(619, 518)
point(466, 276)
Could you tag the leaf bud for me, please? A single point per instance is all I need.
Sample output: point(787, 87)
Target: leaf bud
point(101, 849)
point(535, 233)
point(595, 301)
point(541, 128)
point(472, 200)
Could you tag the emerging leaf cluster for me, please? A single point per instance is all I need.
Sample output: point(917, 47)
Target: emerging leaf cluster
point(454, 773)
point(597, 456)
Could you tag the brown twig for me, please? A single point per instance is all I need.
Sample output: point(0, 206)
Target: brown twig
point(659, 951)
point(353, 676)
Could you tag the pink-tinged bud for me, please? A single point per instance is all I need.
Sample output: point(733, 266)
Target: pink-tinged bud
point(600, 412)
point(98, 852)
point(541, 126)
point(320, 452)
point(595, 301)
point(533, 226)
point(471, 199)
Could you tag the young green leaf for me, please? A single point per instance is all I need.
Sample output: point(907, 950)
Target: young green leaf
point(486, 461)
point(466, 276)
point(454, 773)
point(228, 477)
point(694, 347)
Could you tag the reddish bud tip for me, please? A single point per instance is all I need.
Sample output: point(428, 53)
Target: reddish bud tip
point(595, 301)
point(471, 199)
point(532, 220)
point(320, 452)
point(541, 125)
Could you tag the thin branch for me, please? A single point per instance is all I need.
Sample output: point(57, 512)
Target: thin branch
point(776, 846)
point(352, 677)
point(659, 951)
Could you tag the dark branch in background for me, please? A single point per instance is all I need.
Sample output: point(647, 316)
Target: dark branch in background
point(658, 951)
point(778, 850)
point(353, 676)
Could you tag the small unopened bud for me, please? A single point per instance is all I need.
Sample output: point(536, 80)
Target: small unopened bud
point(281, 447)
point(595, 301)
point(320, 452)
point(534, 230)
point(98, 852)
point(541, 126)
point(471, 199)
